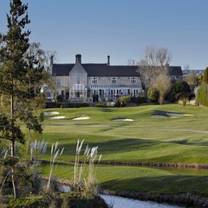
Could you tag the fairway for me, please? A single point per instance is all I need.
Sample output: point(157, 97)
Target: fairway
point(136, 134)
point(181, 138)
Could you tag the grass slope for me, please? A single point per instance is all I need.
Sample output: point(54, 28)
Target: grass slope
point(183, 139)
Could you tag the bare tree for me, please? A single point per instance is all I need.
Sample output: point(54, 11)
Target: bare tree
point(162, 83)
point(155, 62)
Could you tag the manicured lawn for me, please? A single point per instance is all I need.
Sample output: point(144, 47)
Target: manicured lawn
point(182, 138)
point(160, 139)
point(143, 179)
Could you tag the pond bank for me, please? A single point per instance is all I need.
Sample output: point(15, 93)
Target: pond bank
point(141, 164)
point(155, 199)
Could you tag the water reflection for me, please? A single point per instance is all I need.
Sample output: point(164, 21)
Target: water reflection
point(120, 202)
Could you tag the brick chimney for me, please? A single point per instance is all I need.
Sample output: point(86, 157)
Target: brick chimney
point(79, 58)
point(108, 63)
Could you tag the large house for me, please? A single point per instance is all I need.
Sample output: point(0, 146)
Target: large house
point(90, 82)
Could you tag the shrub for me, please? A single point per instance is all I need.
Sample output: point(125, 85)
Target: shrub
point(179, 90)
point(202, 95)
point(153, 94)
point(122, 101)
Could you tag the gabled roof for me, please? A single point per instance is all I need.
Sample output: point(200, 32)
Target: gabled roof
point(104, 70)
point(97, 70)
point(61, 69)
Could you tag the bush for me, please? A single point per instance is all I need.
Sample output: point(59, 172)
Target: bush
point(27, 180)
point(72, 200)
point(153, 94)
point(179, 90)
point(202, 95)
point(138, 100)
point(122, 101)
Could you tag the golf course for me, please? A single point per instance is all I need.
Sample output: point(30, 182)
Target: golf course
point(149, 134)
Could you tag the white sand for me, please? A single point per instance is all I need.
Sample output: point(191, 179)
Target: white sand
point(53, 113)
point(81, 118)
point(57, 117)
point(125, 120)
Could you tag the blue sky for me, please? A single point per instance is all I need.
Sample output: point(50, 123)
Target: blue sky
point(120, 28)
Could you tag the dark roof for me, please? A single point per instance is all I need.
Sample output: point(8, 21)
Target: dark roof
point(99, 70)
point(175, 71)
point(61, 69)
point(96, 70)
point(104, 70)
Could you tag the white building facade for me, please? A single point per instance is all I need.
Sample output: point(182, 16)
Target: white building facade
point(87, 83)
point(95, 82)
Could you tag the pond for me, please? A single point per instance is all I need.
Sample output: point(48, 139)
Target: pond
point(121, 202)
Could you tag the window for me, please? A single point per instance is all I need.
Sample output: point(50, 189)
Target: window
point(58, 83)
point(133, 80)
point(94, 80)
point(113, 80)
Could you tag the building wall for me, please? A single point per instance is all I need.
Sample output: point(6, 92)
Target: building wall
point(62, 84)
point(115, 81)
point(78, 86)
point(78, 82)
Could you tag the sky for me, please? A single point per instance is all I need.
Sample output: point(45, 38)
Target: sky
point(119, 28)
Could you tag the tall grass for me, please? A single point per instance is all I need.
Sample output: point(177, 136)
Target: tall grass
point(56, 152)
point(84, 169)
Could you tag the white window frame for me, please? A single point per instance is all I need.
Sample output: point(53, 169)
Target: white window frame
point(114, 80)
point(94, 80)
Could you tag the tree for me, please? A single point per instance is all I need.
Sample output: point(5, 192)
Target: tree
point(152, 94)
point(202, 95)
point(205, 76)
point(155, 62)
point(162, 84)
point(22, 71)
point(193, 80)
point(179, 90)
point(202, 92)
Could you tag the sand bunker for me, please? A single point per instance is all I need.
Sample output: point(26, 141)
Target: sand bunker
point(124, 119)
point(82, 118)
point(127, 120)
point(57, 118)
point(166, 114)
point(53, 113)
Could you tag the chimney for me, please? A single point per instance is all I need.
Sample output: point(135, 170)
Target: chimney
point(51, 60)
point(79, 58)
point(108, 63)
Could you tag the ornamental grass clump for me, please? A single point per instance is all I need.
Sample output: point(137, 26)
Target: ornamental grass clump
point(56, 152)
point(84, 169)
point(37, 148)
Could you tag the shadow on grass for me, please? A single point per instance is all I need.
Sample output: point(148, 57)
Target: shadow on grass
point(188, 142)
point(106, 110)
point(114, 146)
point(161, 184)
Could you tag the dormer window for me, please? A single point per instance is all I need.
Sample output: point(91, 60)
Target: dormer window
point(94, 80)
point(114, 80)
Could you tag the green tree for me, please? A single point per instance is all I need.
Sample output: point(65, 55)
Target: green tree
point(22, 72)
point(202, 94)
point(205, 76)
point(152, 94)
point(179, 90)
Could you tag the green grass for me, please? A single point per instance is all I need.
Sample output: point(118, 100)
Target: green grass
point(183, 139)
point(177, 140)
point(143, 179)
